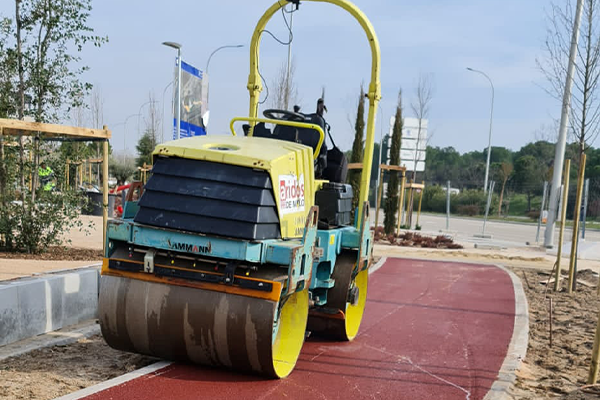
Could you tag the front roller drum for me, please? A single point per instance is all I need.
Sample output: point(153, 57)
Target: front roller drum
point(341, 317)
point(203, 326)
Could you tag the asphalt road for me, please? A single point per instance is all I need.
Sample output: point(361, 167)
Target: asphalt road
point(512, 234)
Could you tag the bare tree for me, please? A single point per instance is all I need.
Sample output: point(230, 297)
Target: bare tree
point(546, 132)
point(97, 108)
point(420, 107)
point(585, 107)
point(284, 90)
point(97, 117)
point(504, 173)
point(149, 139)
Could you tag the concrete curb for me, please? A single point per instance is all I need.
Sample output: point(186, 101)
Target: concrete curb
point(517, 349)
point(379, 264)
point(40, 304)
point(115, 381)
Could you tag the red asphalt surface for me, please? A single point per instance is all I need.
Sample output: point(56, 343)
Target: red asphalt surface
point(432, 330)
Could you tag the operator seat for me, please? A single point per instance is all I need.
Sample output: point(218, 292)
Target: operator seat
point(307, 137)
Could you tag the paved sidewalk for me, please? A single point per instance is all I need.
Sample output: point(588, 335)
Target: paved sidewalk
point(432, 330)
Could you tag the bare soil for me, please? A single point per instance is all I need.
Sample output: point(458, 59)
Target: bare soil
point(560, 369)
point(55, 371)
point(57, 253)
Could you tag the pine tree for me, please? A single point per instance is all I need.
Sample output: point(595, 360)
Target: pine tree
point(144, 148)
point(357, 148)
point(391, 202)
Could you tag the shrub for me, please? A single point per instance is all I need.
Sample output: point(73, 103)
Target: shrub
point(33, 227)
point(470, 210)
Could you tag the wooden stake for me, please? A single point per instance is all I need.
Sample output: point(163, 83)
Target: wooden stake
point(593, 376)
point(576, 223)
point(104, 191)
point(420, 201)
point(551, 313)
point(563, 214)
point(67, 168)
point(401, 201)
point(379, 191)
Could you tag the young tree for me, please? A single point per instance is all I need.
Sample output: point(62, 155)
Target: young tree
point(48, 38)
point(285, 92)
point(504, 172)
point(122, 169)
point(357, 147)
point(8, 68)
point(49, 70)
point(585, 105)
point(529, 175)
point(391, 196)
point(420, 108)
point(97, 118)
point(149, 139)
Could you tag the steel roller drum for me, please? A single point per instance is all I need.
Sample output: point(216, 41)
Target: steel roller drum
point(202, 326)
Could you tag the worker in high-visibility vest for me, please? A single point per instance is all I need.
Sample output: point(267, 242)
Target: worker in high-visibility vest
point(46, 175)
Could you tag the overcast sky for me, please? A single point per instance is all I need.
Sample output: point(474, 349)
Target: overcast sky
point(441, 38)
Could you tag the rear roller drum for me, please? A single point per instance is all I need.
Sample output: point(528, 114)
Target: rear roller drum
point(202, 326)
point(348, 297)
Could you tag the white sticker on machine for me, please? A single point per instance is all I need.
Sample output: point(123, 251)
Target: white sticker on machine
point(291, 193)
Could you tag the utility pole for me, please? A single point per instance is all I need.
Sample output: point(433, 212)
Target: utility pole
point(489, 149)
point(289, 59)
point(177, 47)
point(559, 155)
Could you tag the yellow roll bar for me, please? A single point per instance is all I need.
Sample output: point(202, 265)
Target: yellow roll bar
point(295, 124)
point(374, 94)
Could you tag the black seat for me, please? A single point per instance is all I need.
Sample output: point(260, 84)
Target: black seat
point(308, 137)
point(260, 130)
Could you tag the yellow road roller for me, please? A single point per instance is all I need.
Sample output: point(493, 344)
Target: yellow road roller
point(239, 245)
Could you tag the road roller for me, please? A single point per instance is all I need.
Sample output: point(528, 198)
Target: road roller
point(238, 247)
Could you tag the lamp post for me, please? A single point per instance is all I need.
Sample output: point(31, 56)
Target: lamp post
point(489, 152)
point(229, 46)
point(140, 114)
point(177, 46)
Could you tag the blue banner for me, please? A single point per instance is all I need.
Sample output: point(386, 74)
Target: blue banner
point(194, 102)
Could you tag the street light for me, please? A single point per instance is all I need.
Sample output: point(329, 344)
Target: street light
point(124, 131)
point(140, 114)
point(177, 46)
point(487, 166)
point(230, 46)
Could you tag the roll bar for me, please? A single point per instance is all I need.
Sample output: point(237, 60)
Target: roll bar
point(374, 93)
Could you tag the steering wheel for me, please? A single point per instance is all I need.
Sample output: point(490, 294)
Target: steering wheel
point(284, 115)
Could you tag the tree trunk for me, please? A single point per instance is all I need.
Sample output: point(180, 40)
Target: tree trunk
point(21, 93)
point(2, 171)
point(501, 198)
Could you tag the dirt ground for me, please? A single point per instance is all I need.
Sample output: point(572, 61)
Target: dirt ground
point(57, 254)
point(558, 369)
point(18, 265)
point(55, 371)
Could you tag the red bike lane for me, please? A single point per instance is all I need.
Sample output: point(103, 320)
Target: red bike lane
point(432, 330)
